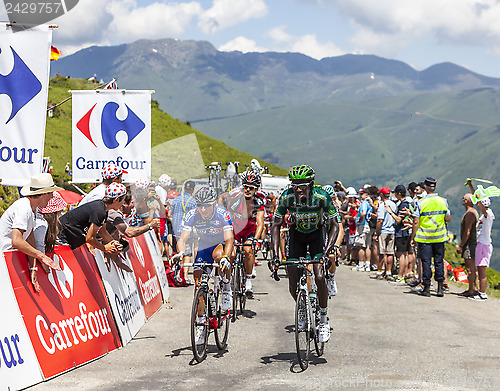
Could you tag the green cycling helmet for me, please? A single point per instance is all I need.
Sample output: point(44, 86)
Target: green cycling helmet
point(301, 172)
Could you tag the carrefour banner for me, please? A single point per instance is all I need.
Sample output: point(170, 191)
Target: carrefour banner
point(145, 274)
point(124, 297)
point(18, 363)
point(69, 321)
point(24, 79)
point(111, 126)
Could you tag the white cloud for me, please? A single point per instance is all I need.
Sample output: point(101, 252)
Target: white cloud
point(227, 13)
point(307, 44)
point(473, 22)
point(157, 20)
point(242, 44)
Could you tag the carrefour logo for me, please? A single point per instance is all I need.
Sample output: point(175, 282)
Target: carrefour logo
point(63, 280)
point(20, 85)
point(111, 125)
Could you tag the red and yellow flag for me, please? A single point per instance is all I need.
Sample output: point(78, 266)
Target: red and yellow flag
point(54, 53)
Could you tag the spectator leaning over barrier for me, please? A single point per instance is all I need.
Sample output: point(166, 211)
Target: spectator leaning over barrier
point(180, 205)
point(484, 248)
point(46, 227)
point(111, 173)
point(82, 224)
point(468, 242)
point(429, 231)
point(385, 234)
point(18, 221)
point(117, 226)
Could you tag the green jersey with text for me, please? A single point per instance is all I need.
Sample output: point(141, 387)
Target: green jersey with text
point(306, 217)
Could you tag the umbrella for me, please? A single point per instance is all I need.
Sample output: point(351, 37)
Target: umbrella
point(70, 197)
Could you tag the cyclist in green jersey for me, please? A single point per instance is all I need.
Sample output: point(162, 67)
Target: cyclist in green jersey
point(311, 210)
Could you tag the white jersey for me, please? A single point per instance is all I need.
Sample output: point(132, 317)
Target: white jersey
point(96, 193)
point(484, 225)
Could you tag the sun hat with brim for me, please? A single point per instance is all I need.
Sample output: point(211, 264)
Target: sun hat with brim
point(55, 204)
point(40, 184)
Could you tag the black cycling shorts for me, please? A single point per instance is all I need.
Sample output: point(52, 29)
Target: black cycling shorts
point(300, 242)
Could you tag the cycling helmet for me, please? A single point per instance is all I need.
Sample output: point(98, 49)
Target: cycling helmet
point(205, 195)
point(329, 189)
point(250, 178)
point(301, 172)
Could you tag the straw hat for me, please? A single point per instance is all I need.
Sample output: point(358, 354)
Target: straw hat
point(40, 184)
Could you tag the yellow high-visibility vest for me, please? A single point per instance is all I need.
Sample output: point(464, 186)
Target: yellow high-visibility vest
point(431, 225)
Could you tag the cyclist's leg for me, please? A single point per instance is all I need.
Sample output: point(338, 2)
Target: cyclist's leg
point(316, 246)
point(217, 255)
point(296, 249)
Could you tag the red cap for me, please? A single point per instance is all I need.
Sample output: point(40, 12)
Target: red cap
point(385, 190)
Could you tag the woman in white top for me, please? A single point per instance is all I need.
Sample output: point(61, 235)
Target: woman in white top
point(484, 248)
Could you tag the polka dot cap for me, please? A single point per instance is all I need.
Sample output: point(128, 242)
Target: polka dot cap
point(115, 190)
point(164, 180)
point(112, 171)
point(142, 183)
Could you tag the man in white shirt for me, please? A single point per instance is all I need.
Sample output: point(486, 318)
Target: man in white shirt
point(18, 221)
point(110, 174)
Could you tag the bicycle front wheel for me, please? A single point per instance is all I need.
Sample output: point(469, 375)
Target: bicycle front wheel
point(235, 289)
point(319, 346)
point(242, 287)
point(199, 328)
point(302, 329)
point(222, 329)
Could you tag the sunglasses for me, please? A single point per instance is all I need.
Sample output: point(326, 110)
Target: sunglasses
point(205, 205)
point(300, 186)
point(249, 187)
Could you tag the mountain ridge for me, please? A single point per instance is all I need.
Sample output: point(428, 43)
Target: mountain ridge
point(195, 81)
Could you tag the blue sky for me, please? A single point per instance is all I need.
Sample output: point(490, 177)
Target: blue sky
point(420, 33)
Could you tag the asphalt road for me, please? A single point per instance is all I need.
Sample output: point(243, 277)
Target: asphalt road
point(383, 337)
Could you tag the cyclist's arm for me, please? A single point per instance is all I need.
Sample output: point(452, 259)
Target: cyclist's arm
point(228, 242)
point(332, 235)
point(259, 218)
point(181, 243)
point(272, 198)
point(275, 235)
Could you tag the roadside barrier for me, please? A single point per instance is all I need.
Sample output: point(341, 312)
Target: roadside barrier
point(81, 313)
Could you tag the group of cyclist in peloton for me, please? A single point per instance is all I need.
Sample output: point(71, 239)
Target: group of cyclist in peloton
point(239, 217)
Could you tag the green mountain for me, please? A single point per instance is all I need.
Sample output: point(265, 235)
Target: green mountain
point(194, 81)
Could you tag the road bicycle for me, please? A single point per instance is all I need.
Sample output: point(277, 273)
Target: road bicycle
point(304, 335)
point(207, 301)
point(265, 248)
point(214, 176)
point(239, 280)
